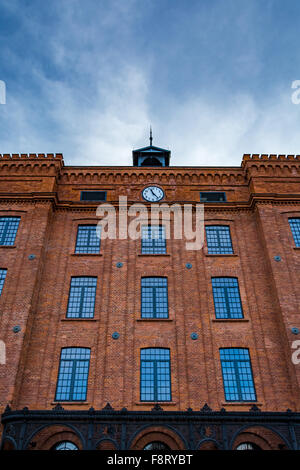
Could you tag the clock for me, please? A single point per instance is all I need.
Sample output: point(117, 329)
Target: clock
point(153, 194)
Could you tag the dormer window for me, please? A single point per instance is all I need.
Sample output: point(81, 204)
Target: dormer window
point(151, 156)
point(151, 161)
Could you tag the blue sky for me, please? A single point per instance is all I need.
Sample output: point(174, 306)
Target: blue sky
point(86, 78)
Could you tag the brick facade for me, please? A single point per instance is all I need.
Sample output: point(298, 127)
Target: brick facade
point(262, 195)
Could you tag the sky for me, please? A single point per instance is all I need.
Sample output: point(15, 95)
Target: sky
point(87, 78)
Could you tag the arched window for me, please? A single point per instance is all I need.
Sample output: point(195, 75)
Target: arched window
point(8, 230)
point(155, 374)
point(88, 240)
point(237, 374)
point(73, 374)
point(295, 228)
point(153, 239)
point(2, 278)
point(227, 298)
point(151, 161)
point(218, 240)
point(65, 445)
point(156, 445)
point(154, 297)
point(82, 297)
point(247, 446)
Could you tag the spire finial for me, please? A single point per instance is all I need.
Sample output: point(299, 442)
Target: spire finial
point(151, 136)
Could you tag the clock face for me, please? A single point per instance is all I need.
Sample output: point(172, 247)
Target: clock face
point(153, 194)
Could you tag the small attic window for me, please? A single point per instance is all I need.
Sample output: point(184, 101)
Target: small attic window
point(93, 196)
point(151, 161)
point(213, 196)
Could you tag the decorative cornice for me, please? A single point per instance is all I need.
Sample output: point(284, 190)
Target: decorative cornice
point(166, 176)
point(31, 156)
point(76, 206)
point(252, 165)
point(58, 413)
point(272, 157)
point(24, 165)
point(271, 165)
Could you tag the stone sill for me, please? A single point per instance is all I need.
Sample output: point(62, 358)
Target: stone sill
point(69, 403)
point(233, 320)
point(242, 403)
point(152, 403)
point(8, 246)
point(297, 248)
point(154, 319)
point(79, 319)
point(158, 255)
point(86, 254)
point(229, 255)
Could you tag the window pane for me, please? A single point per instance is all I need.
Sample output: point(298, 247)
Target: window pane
point(82, 297)
point(295, 228)
point(154, 297)
point(153, 239)
point(66, 445)
point(218, 239)
point(227, 297)
point(155, 374)
point(73, 374)
point(212, 196)
point(237, 375)
point(8, 230)
point(87, 239)
point(93, 195)
point(2, 278)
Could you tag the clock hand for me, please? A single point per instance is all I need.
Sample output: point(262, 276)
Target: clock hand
point(153, 193)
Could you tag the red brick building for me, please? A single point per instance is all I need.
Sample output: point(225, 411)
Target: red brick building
point(116, 344)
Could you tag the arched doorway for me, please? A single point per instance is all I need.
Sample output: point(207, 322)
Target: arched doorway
point(8, 445)
point(258, 438)
point(247, 446)
point(55, 437)
point(156, 445)
point(65, 445)
point(157, 436)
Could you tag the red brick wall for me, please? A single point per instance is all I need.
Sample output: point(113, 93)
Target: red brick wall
point(262, 194)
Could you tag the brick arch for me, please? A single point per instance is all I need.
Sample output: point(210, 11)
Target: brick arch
point(208, 444)
point(9, 444)
point(47, 437)
point(264, 437)
point(157, 433)
point(106, 444)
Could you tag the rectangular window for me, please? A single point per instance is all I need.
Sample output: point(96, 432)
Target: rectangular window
point(237, 375)
point(212, 196)
point(82, 297)
point(227, 298)
point(155, 374)
point(8, 230)
point(73, 374)
point(93, 196)
point(154, 297)
point(295, 228)
point(87, 239)
point(218, 240)
point(153, 239)
point(2, 278)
